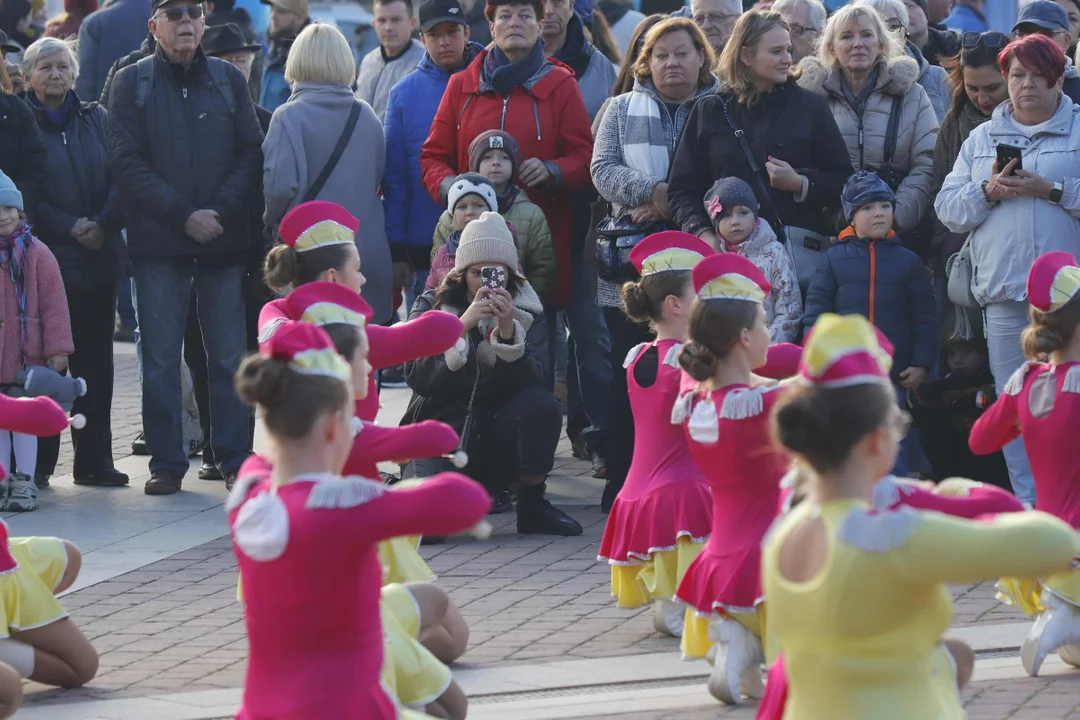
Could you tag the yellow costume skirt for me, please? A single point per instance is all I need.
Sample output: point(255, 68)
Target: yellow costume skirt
point(1024, 592)
point(695, 638)
point(654, 579)
point(27, 591)
point(401, 562)
point(410, 671)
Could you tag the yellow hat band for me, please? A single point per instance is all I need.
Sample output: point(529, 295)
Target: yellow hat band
point(1065, 286)
point(325, 313)
point(670, 260)
point(732, 286)
point(323, 234)
point(324, 362)
point(835, 337)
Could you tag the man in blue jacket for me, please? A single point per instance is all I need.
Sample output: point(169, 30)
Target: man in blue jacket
point(411, 214)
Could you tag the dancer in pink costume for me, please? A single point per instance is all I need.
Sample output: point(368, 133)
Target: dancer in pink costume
point(726, 417)
point(661, 518)
point(1041, 403)
point(320, 244)
point(305, 540)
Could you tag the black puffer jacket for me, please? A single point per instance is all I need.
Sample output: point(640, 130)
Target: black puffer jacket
point(240, 17)
point(22, 151)
point(442, 384)
point(184, 151)
point(144, 50)
point(80, 185)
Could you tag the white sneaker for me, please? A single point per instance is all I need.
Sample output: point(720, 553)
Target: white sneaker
point(669, 616)
point(737, 665)
point(1055, 627)
point(22, 493)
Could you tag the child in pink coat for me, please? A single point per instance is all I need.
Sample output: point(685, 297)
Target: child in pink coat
point(36, 330)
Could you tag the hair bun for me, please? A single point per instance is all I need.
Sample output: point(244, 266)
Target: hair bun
point(282, 267)
point(263, 380)
point(799, 421)
point(697, 360)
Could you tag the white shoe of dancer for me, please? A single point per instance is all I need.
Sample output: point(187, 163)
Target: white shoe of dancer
point(1055, 627)
point(668, 617)
point(1070, 654)
point(737, 663)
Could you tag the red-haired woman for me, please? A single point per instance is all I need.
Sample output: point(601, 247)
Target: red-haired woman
point(1017, 211)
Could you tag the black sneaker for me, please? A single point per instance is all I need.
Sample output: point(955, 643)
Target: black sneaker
point(536, 516)
point(230, 479)
point(599, 466)
point(611, 491)
point(392, 377)
point(138, 445)
point(42, 481)
point(109, 477)
point(501, 503)
point(209, 471)
point(163, 482)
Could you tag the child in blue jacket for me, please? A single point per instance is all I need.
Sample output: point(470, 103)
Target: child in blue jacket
point(870, 273)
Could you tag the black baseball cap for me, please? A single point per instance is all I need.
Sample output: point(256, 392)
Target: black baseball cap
point(1043, 13)
point(227, 38)
point(7, 45)
point(434, 12)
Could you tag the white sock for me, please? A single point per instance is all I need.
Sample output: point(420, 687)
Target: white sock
point(25, 453)
point(19, 656)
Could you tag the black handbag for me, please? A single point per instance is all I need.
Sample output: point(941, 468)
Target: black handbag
point(615, 238)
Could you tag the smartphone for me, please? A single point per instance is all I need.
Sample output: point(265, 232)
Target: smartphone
point(493, 276)
point(1005, 153)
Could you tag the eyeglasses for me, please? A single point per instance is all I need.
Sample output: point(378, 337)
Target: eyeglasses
point(992, 40)
point(797, 30)
point(714, 18)
point(895, 24)
point(176, 14)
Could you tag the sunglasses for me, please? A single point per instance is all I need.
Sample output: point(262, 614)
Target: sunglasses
point(176, 14)
point(993, 40)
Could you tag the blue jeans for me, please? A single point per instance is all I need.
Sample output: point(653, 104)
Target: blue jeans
point(163, 296)
point(1005, 321)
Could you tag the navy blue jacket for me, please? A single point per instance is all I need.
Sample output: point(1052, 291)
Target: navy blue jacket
point(411, 214)
point(885, 282)
point(79, 185)
point(106, 36)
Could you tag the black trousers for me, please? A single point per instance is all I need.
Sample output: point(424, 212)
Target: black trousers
point(93, 317)
point(625, 334)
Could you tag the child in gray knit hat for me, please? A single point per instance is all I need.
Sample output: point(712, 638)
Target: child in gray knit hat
point(470, 195)
point(733, 209)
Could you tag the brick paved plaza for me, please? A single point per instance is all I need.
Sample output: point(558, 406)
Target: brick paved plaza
point(158, 600)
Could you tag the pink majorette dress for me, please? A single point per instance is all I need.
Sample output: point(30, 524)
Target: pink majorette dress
point(429, 334)
point(728, 436)
point(662, 515)
point(312, 579)
point(955, 496)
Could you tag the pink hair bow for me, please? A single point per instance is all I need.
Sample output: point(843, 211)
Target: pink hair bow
point(715, 207)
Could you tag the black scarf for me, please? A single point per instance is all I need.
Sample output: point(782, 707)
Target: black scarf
point(504, 75)
point(574, 51)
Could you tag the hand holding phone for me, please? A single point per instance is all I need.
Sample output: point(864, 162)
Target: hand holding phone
point(493, 276)
point(1005, 153)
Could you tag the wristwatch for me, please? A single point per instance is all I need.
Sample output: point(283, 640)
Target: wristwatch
point(1056, 192)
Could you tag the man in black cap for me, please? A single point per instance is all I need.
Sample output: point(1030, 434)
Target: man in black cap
point(934, 42)
point(1047, 18)
point(223, 12)
point(186, 151)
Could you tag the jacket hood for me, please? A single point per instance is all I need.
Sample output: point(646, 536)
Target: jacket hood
point(916, 54)
point(1001, 123)
point(542, 84)
point(428, 66)
point(647, 87)
point(762, 235)
point(527, 301)
point(895, 76)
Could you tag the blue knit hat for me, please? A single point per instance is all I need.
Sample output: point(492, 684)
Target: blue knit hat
point(9, 194)
point(863, 188)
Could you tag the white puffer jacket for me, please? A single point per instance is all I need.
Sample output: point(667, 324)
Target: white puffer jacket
point(914, 155)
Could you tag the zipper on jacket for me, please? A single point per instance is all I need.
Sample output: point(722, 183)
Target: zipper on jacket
point(63, 136)
point(75, 170)
point(185, 91)
point(536, 116)
point(463, 108)
point(502, 119)
point(873, 278)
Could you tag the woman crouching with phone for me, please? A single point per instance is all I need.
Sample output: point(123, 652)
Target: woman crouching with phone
point(492, 388)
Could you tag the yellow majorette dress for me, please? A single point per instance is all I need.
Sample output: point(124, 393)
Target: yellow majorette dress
point(29, 575)
point(862, 638)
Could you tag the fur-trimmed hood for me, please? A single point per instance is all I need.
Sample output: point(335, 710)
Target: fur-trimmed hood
point(527, 307)
point(896, 76)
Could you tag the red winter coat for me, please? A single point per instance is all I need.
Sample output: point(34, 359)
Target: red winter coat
point(549, 122)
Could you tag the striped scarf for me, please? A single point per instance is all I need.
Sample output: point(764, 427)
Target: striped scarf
point(13, 249)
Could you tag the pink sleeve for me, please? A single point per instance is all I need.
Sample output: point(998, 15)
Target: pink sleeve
point(781, 362)
point(376, 444)
point(997, 427)
point(985, 500)
point(776, 690)
point(52, 304)
point(271, 317)
point(432, 333)
point(446, 504)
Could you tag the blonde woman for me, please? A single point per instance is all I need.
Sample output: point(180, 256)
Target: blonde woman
point(800, 163)
point(301, 141)
point(863, 72)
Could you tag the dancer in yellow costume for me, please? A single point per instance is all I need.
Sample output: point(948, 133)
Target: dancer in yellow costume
point(858, 600)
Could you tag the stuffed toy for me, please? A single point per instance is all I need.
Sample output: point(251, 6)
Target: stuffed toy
point(39, 381)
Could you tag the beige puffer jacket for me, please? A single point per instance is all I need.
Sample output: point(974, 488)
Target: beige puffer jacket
point(915, 140)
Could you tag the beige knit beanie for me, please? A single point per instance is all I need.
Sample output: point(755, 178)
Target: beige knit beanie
point(486, 240)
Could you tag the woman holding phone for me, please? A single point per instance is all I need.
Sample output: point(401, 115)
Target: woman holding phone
point(1016, 209)
point(492, 387)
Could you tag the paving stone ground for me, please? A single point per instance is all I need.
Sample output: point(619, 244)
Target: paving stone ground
point(175, 625)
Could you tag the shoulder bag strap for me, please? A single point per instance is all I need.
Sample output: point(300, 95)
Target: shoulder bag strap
point(339, 149)
point(891, 132)
point(759, 184)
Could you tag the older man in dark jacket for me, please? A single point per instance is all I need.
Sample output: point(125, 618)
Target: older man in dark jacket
point(185, 145)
